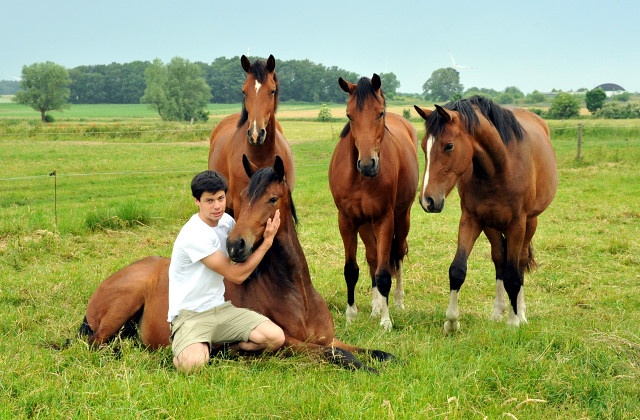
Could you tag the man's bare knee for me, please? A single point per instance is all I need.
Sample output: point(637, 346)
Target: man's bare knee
point(192, 358)
point(269, 335)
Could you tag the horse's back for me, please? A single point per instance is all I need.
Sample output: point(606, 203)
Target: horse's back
point(402, 129)
point(220, 142)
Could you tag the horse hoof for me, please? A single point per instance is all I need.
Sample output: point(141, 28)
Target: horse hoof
point(451, 327)
point(496, 316)
point(399, 305)
point(513, 322)
point(386, 325)
point(351, 313)
point(383, 356)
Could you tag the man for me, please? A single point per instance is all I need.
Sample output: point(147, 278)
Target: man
point(198, 314)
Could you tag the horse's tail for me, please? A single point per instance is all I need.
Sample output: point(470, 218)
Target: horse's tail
point(85, 330)
point(531, 262)
point(397, 254)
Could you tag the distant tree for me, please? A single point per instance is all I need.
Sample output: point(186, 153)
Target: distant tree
point(594, 99)
point(325, 113)
point(534, 97)
point(44, 87)
point(489, 93)
point(622, 97)
point(564, 105)
point(514, 92)
point(390, 84)
point(9, 87)
point(177, 91)
point(443, 84)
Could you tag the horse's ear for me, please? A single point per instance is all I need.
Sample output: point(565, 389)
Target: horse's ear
point(278, 166)
point(246, 64)
point(271, 63)
point(247, 166)
point(443, 113)
point(376, 82)
point(424, 113)
point(346, 86)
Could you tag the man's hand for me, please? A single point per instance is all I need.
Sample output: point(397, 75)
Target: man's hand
point(272, 228)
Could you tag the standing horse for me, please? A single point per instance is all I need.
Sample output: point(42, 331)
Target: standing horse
point(505, 168)
point(136, 297)
point(373, 176)
point(254, 132)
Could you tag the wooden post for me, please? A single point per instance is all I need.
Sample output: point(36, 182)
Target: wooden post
point(579, 156)
point(55, 196)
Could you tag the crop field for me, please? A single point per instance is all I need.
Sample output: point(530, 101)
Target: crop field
point(120, 193)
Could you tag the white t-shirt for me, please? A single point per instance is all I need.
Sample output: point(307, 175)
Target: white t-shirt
point(192, 285)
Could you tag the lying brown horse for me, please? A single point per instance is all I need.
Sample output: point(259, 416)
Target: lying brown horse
point(373, 176)
point(136, 297)
point(505, 168)
point(254, 132)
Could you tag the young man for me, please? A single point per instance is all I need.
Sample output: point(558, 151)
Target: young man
point(198, 313)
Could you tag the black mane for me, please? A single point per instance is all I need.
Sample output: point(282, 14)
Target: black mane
point(259, 71)
point(502, 119)
point(261, 180)
point(364, 90)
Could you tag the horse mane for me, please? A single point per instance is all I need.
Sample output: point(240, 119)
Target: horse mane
point(259, 71)
point(502, 119)
point(259, 182)
point(364, 90)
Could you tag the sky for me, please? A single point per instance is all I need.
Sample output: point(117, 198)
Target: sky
point(533, 45)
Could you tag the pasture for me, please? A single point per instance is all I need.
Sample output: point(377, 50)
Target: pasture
point(122, 194)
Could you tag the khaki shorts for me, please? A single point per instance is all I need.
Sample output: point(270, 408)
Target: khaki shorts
point(220, 324)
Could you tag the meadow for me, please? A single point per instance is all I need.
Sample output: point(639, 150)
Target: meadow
point(120, 193)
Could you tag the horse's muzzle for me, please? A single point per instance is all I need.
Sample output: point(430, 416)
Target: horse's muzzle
point(431, 204)
point(238, 250)
point(369, 168)
point(256, 138)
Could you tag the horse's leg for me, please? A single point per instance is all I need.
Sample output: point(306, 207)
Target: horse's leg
point(468, 232)
point(513, 274)
point(376, 354)
point(351, 270)
point(155, 330)
point(402, 231)
point(383, 231)
point(525, 260)
point(371, 253)
point(498, 256)
point(335, 354)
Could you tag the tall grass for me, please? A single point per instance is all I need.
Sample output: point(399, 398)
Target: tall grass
point(578, 357)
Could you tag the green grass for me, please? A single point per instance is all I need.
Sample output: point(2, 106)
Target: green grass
point(578, 357)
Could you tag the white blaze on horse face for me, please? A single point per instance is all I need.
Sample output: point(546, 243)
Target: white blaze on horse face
point(258, 86)
point(425, 181)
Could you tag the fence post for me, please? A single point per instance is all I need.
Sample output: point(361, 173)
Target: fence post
point(579, 156)
point(55, 196)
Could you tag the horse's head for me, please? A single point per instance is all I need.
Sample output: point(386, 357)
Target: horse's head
point(261, 93)
point(365, 111)
point(267, 192)
point(448, 151)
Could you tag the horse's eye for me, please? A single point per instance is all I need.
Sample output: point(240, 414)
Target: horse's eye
point(381, 115)
point(273, 92)
point(448, 147)
point(349, 117)
point(273, 200)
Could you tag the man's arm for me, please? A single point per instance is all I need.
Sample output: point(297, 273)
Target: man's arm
point(238, 273)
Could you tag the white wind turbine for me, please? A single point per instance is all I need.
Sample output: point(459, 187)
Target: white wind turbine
point(458, 66)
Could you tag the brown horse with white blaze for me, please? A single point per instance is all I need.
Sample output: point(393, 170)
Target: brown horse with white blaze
point(373, 176)
point(135, 299)
point(505, 168)
point(253, 132)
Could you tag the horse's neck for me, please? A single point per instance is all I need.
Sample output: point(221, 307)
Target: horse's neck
point(489, 152)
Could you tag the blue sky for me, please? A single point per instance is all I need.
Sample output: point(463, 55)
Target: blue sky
point(540, 45)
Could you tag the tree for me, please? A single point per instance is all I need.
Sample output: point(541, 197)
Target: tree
point(564, 105)
point(44, 87)
point(443, 85)
point(177, 91)
point(390, 84)
point(534, 97)
point(595, 99)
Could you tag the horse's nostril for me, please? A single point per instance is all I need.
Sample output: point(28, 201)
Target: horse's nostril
point(430, 203)
point(240, 245)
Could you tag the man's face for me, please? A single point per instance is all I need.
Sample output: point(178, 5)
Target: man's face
point(212, 207)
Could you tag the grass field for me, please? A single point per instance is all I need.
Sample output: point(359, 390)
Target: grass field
point(578, 357)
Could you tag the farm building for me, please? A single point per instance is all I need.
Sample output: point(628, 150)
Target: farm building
point(611, 89)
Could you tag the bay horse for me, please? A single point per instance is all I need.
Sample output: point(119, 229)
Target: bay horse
point(373, 177)
point(254, 131)
point(505, 167)
point(135, 299)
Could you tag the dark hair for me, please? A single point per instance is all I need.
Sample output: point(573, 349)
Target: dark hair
point(207, 181)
